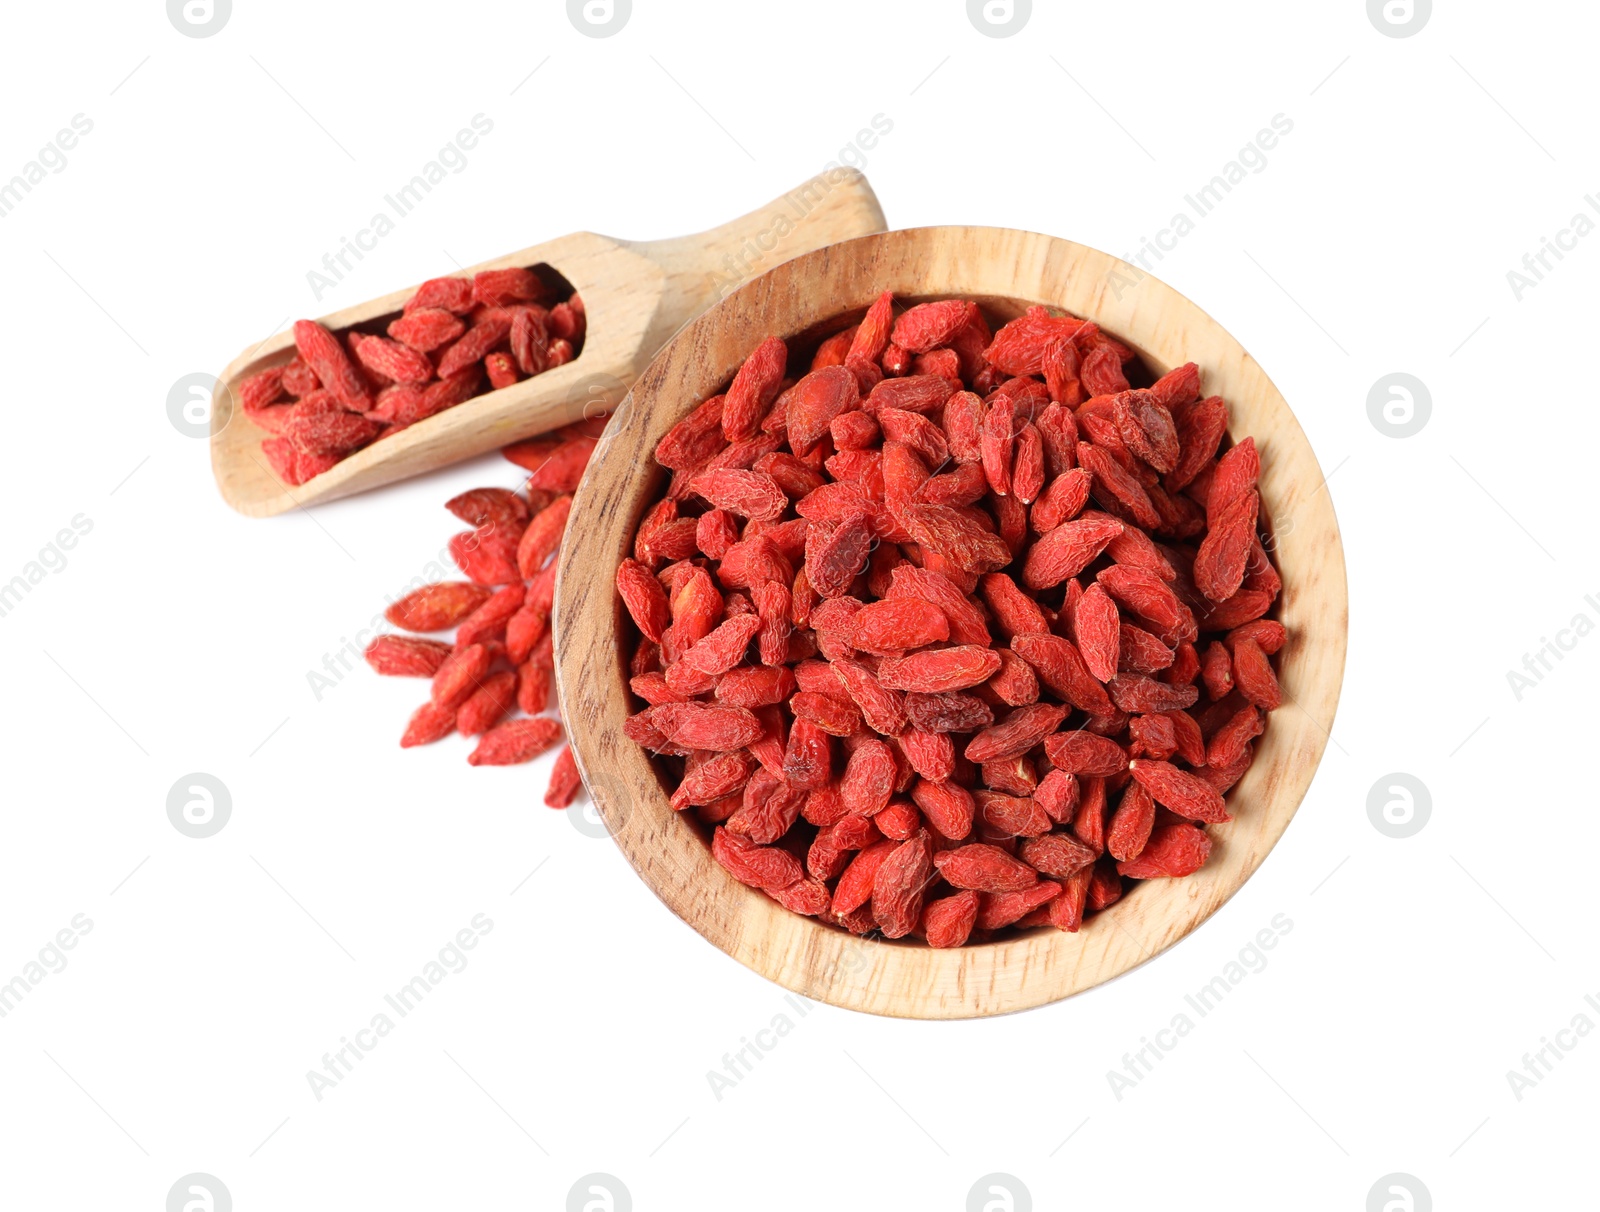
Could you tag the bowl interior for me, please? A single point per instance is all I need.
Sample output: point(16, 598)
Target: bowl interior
point(804, 301)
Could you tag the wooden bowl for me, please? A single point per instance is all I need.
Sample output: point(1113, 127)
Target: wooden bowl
point(1005, 271)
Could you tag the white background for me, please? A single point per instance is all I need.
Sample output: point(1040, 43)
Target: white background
point(179, 636)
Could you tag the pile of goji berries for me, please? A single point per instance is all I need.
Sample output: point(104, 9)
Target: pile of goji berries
point(501, 659)
point(925, 633)
point(453, 336)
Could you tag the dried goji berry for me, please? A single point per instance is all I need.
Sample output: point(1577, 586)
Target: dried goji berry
point(518, 741)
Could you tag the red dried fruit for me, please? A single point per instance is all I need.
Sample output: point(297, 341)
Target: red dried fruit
point(1235, 474)
point(490, 506)
point(1084, 753)
point(947, 712)
point(882, 708)
point(436, 607)
point(1017, 733)
point(984, 868)
point(488, 555)
point(1059, 666)
point(1066, 911)
point(1099, 632)
point(1105, 885)
point(1148, 596)
point(892, 627)
point(1062, 500)
point(1027, 464)
point(869, 778)
point(534, 682)
point(500, 287)
point(261, 389)
point(1058, 854)
point(1155, 735)
point(1220, 563)
point(1180, 791)
point(403, 656)
point(1067, 550)
point(948, 922)
point(1134, 692)
point(836, 555)
point(431, 722)
point(750, 494)
point(518, 741)
point(765, 867)
point(1200, 430)
point(298, 378)
point(488, 704)
point(490, 329)
point(451, 294)
point(997, 442)
point(1268, 633)
point(854, 888)
point(940, 670)
point(459, 675)
point(915, 431)
point(754, 388)
point(326, 356)
point(930, 325)
point(1015, 685)
point(1057, 794)
point(852, 430)
point(707, 726)
point(966, 621)
point(1102, 371)
point(913, 393)
point(948, 806)
point(318, 425)
point(1174, 851)
point(768, 807)
point(501, 369)
point(1014, 611)
point(808, 897)
point(1252, 672)
point(1002, 909)
point(394, 361)
point(530, 341)
point(872, 335)
point(488, 622)
point(1146, 428)
point(646, 601)
point(815, 402)
point(565, 782)
point(834, 716)
point(724, 647)
point(542, 536)
point(955, 535)
point(426, 329)
point(1229, 742)
point(900, 883)
point(1020, 347)
point(1129, 829)
point(1089, 818)
point(564, 468)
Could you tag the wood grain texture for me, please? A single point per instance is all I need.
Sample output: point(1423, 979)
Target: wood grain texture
point(1006, 270)
point(636, 295)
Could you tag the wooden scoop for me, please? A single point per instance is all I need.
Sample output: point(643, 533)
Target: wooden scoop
point(637, 295)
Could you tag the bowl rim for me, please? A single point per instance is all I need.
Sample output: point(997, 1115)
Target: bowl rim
point(906, 978)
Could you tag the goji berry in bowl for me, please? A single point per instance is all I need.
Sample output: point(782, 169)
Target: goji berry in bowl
point(858, 932)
